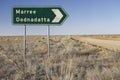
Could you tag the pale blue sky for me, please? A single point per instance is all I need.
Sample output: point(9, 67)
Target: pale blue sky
point(85, 17)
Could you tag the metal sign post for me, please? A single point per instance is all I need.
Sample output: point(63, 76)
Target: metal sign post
point(25, 43)
point(48, 38)
point(24, 54)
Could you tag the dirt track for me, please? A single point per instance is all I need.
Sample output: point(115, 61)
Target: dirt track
point(109, 44)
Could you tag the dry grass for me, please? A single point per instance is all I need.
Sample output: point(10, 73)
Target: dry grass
point(70, 60)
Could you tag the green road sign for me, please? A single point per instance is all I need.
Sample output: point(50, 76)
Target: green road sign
point(38, 15)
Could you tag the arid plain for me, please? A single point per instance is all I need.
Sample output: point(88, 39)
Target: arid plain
point(80, 57)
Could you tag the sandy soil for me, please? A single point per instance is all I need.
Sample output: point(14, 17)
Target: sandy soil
point(109, 44)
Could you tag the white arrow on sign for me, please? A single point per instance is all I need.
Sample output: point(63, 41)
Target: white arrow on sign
point(58, 15)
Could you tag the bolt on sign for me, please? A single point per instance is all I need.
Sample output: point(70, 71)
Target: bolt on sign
point(38, 15)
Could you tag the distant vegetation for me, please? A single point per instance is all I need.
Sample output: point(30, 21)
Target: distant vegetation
point(70, 59)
